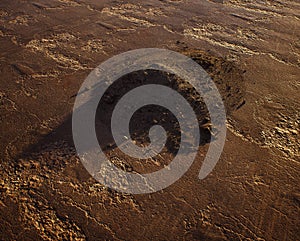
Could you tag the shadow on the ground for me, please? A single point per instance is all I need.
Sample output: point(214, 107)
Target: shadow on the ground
point(225, 75)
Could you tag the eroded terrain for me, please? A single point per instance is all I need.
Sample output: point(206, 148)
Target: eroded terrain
point(47, 50)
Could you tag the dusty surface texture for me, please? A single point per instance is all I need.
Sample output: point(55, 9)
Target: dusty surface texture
point(49, 47)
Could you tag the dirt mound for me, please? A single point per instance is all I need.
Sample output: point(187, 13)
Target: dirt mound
point(227, 77)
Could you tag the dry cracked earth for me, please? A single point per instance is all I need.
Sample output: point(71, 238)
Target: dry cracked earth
point(250, 48)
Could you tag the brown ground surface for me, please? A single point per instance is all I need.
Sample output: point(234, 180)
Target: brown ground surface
point(49, 47)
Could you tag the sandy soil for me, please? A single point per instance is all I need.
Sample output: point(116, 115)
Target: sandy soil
point(251, 49)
